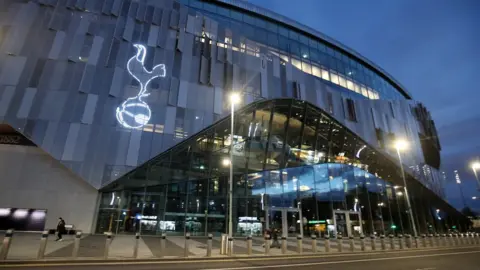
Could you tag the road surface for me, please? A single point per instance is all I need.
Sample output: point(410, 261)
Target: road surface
point(441, 259)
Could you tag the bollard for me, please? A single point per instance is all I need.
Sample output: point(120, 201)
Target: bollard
point(209, 245)
point(472, 239)
point(249, 245)
point(299, 244)
point(362, 242)
point(314, 243)
point(400, 241)
point(477, 238)
point(339, 243)
point(267, 244)
point(187, 245)
point(43, 245)
point(455, 239)
point(372, 242)
point(430, 240)
point(392, 244)
point(284, 245)
point(382, 242)
point(408, 240)
point(163, 240)
point(444, 240)
point(416, 242)
point(135, 246)
point(107, 245)
point(460, 239)
point(352, 243)
point(7, 241)
point(230, 246)
point(327, 243)
point(76, 244)
point(437, 240)
point(449, 239)
point(424, 241)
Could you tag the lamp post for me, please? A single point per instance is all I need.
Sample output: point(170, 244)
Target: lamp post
point(403, 145)
point(475, 166)
point(234, 98)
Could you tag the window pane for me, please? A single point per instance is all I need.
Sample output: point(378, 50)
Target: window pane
point(296, 63)
point(342, 81)
point(306, 68)
point(334, 77)
point(316, 71)
point(325, 74)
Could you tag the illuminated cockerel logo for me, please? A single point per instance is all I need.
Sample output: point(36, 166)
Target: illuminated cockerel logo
point(134, 112)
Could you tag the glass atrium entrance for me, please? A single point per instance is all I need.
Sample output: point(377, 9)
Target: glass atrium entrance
point(287, 220)
point(347, 223)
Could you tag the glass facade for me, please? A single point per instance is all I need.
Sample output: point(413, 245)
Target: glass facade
point(306, 52)
point(288, 155)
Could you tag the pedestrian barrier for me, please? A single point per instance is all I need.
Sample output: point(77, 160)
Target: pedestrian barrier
point(382, 242)
point(405, 241)
point(372, 242)
point(267, 244)
point(339, 243)
point(400, 241)
point(249, 244)
point(209, 245)
point(108, 242)
point(43, 245)
point(135, 246)
point(314, 243)
point(163, 240)
point(7, 241)
point(187, 245)
point(299, 244)
point(408, 240)
point(76, 244)
point(362, 242)
point(416, 241)
point(392, 243)
point(327, 243)
point(352, 244)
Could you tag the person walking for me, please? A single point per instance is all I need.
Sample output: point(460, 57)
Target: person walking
point(275, 242)
point(60, 229)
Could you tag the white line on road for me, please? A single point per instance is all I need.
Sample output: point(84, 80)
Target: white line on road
point(341, 262)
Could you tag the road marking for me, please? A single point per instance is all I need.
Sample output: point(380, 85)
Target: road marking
point(220, 259)
point(428, 268)
point(342, 262)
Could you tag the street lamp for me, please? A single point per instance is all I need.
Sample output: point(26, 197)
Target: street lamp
point(234, 98)
point(402, 145)
point(475, 166)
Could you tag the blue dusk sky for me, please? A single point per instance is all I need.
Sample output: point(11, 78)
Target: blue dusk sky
point(432, 47)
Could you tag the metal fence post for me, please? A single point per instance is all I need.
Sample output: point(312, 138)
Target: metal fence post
point(135, 246)
point(392, 243)
point(249, 245)
point(284, 245)
point(382, 242)
point(43, 245)
point(163, 240)
point(314, 243)
point(372, 242)
point(7, 242)
point(107, 245)
point(362, 242)
point(299, 244)
point(209, 245)
point(327, 243)
point(76, 244)
point(230, 246)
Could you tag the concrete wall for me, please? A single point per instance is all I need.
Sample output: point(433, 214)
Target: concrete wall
point(30, 178)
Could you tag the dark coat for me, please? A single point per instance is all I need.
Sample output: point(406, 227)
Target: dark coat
point(61, 226)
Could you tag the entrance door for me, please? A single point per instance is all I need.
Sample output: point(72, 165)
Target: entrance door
point(284, 219)
point(347, 223)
